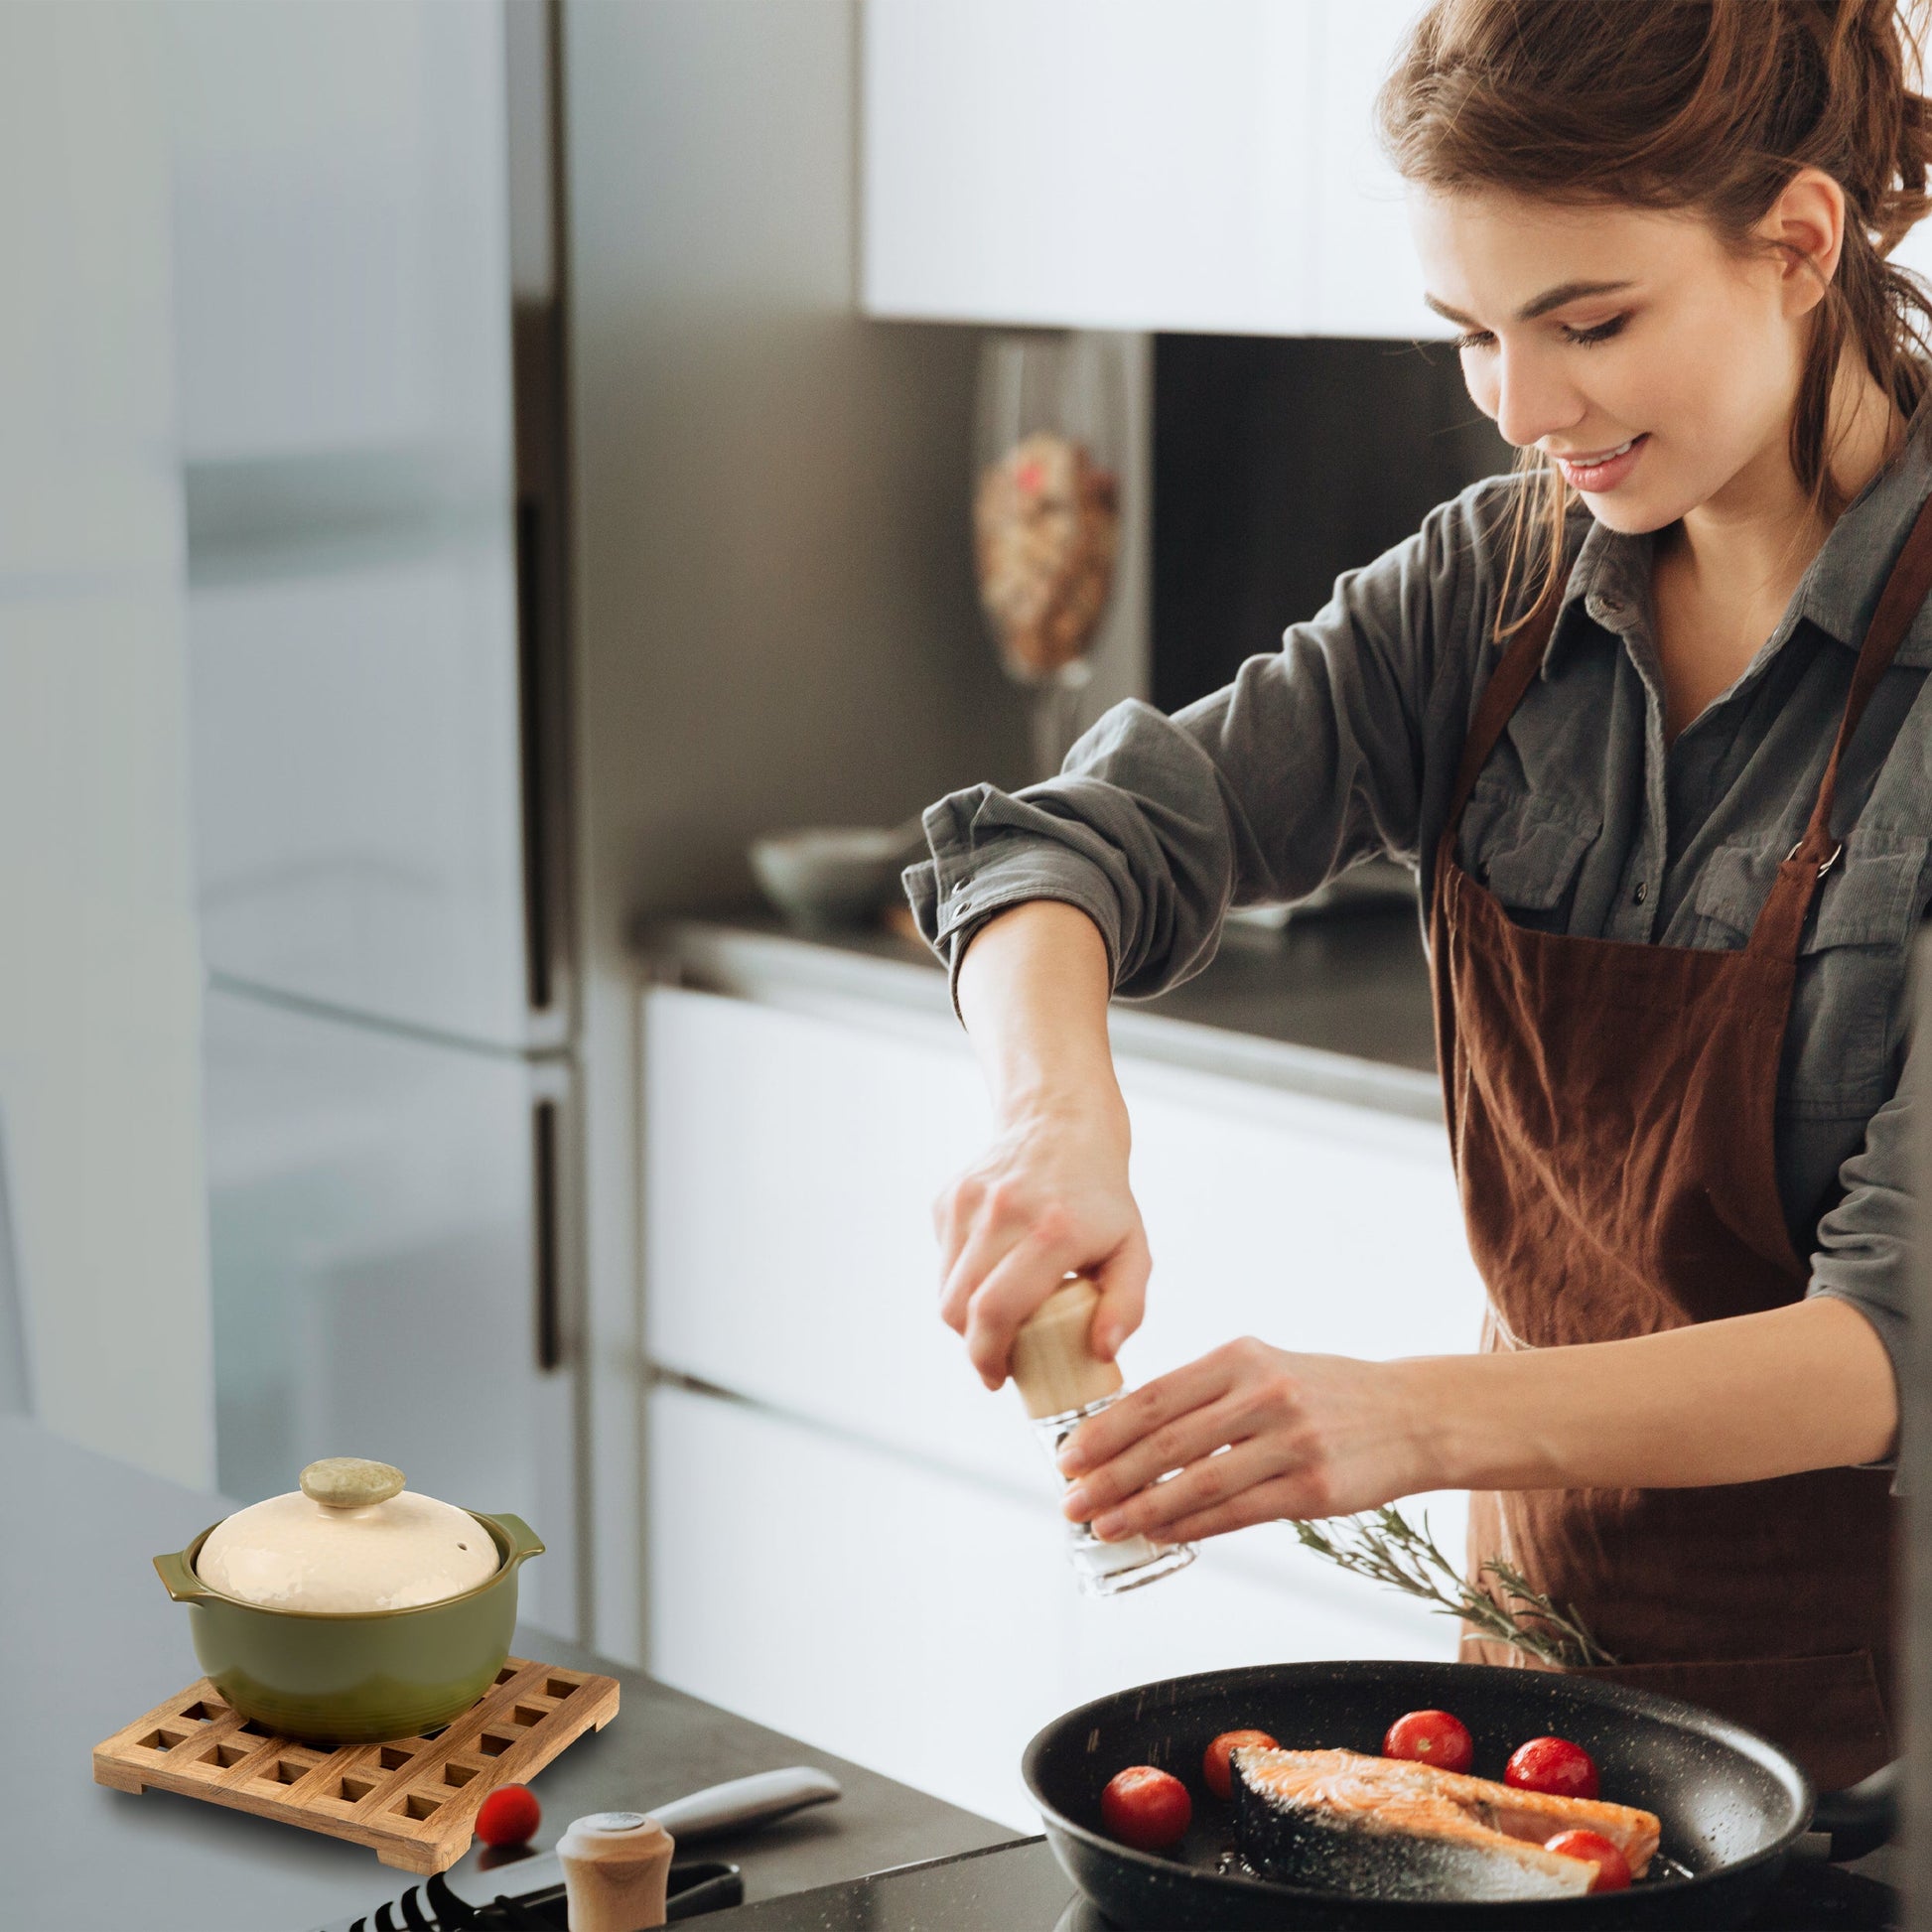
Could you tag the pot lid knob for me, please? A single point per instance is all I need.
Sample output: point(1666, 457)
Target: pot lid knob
point(350, 1482)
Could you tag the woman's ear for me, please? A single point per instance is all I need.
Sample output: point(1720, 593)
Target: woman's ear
point(1806, 226)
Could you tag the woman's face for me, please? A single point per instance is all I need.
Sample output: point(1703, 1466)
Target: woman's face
point(1656, 365)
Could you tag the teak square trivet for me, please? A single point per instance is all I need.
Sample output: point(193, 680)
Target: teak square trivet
point(412, 1799)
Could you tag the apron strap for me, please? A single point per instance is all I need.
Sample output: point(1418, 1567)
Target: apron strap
point(1780, 922)
point(1500, 696)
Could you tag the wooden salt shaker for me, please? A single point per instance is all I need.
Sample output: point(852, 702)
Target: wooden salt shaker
point(1053, 1366)
point(617, 1864)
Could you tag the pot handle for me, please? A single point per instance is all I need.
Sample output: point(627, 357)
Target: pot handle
point(524, 1540)
point(1863, 1816)
point(180, 1580)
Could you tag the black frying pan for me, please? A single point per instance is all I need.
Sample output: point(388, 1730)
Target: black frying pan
point(1734, 1807)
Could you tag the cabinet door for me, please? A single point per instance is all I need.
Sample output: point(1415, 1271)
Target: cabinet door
point(1131, 164)
point(1317, 1227)
point(875, 1607)
point(789, 1163)
point(1369, 282)
point(927, 1624)
point(1110, 164)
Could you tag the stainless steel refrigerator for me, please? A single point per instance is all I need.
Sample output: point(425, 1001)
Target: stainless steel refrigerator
point(365, 304)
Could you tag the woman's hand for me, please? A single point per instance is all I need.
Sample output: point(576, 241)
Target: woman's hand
point(1256, 1434)
point(1048, 1199)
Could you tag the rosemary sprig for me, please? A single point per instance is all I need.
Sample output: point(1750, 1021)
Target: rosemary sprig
point(1386, 1548)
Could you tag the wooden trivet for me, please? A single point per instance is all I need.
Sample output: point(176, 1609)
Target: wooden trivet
point(413, 1800)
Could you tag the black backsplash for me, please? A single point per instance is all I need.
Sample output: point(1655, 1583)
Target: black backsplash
point(1279, 463)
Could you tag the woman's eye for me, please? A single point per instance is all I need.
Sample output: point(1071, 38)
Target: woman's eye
point(1601, 331)
point(1476, 339)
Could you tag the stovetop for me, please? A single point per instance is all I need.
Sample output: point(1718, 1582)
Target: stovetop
point(1019, 1887)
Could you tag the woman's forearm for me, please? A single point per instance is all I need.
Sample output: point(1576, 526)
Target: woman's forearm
point(1034, 989)
point(1251, 1433)
point(1805, 1387)
point(1051, 1196)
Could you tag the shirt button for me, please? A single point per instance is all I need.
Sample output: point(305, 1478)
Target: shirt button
point(1641, 893)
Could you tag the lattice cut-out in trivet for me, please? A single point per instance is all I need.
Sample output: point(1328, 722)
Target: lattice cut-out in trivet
point(413, 1800)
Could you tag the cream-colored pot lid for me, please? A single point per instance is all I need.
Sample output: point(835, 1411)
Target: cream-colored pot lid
point(350, 1539)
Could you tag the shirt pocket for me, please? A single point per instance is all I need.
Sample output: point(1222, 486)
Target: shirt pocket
point(1847, 1020)
point(1526, 849)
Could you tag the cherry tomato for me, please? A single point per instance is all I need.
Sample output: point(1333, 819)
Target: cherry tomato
point(1146, 1808)
point(1554, 1765)
point(508, 1816)
point(1214, 1767)
point(1431, 1737)
point(1612, 1868)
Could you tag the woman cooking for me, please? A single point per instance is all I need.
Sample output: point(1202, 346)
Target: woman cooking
point(1647, 718)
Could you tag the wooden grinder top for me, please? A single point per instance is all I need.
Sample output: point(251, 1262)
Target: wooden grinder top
point(1052, 1366)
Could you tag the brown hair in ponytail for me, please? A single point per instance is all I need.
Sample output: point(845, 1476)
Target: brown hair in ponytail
point(1709, 105)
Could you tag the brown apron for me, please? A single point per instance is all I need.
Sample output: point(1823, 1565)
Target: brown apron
point(1612, 1112)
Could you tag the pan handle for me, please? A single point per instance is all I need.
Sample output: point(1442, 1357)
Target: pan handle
point(1862, 1817)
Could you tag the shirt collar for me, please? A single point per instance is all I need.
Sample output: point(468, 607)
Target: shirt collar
point(1611, 578)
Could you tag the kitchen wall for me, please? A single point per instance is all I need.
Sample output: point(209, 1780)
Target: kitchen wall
point(1279, 462)
point(102, 1241)
point(775, 610)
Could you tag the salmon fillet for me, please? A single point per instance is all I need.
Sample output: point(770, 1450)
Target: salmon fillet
point(1389, 1828)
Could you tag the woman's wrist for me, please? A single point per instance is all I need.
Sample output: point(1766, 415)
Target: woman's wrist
point(1477, 1425)
point(1086, 1103)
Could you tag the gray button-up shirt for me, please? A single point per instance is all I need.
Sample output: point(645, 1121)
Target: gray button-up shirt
point(1344, 744)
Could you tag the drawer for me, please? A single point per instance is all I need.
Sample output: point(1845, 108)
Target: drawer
point(926, 1624)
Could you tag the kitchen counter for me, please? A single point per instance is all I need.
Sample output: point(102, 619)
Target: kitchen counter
point(1335, 1005)
point(91, 1641)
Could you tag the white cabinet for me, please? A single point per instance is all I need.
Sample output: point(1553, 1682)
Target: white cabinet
point(874, 1607)
point(792, 1161)
point(1368, 281)
point(857, 1542)
point(790, 1164)
point(1135, 164)
point(923, 1623)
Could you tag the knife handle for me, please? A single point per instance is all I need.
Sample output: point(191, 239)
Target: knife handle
point(746, 1801)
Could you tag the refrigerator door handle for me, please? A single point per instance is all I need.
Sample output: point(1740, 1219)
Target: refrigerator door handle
point(534, 723)
point(546, 1215)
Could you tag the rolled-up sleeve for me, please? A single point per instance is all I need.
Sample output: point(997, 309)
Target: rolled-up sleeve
point(1310, 762)
point(1864, 1248)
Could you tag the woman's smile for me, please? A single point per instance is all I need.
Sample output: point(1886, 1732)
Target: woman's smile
point(1597, 471)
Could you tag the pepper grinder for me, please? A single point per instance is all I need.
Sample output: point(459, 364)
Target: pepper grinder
point(617, 1864)
point(1062, 1382)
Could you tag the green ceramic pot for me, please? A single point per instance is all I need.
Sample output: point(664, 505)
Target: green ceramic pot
point(354, 1678)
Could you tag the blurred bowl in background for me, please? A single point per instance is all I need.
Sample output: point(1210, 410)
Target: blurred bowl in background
point(830, 875)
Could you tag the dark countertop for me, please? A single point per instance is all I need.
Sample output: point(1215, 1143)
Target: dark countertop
point(91, 1641)
point(1019, 1887)
point(1334, 1003)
